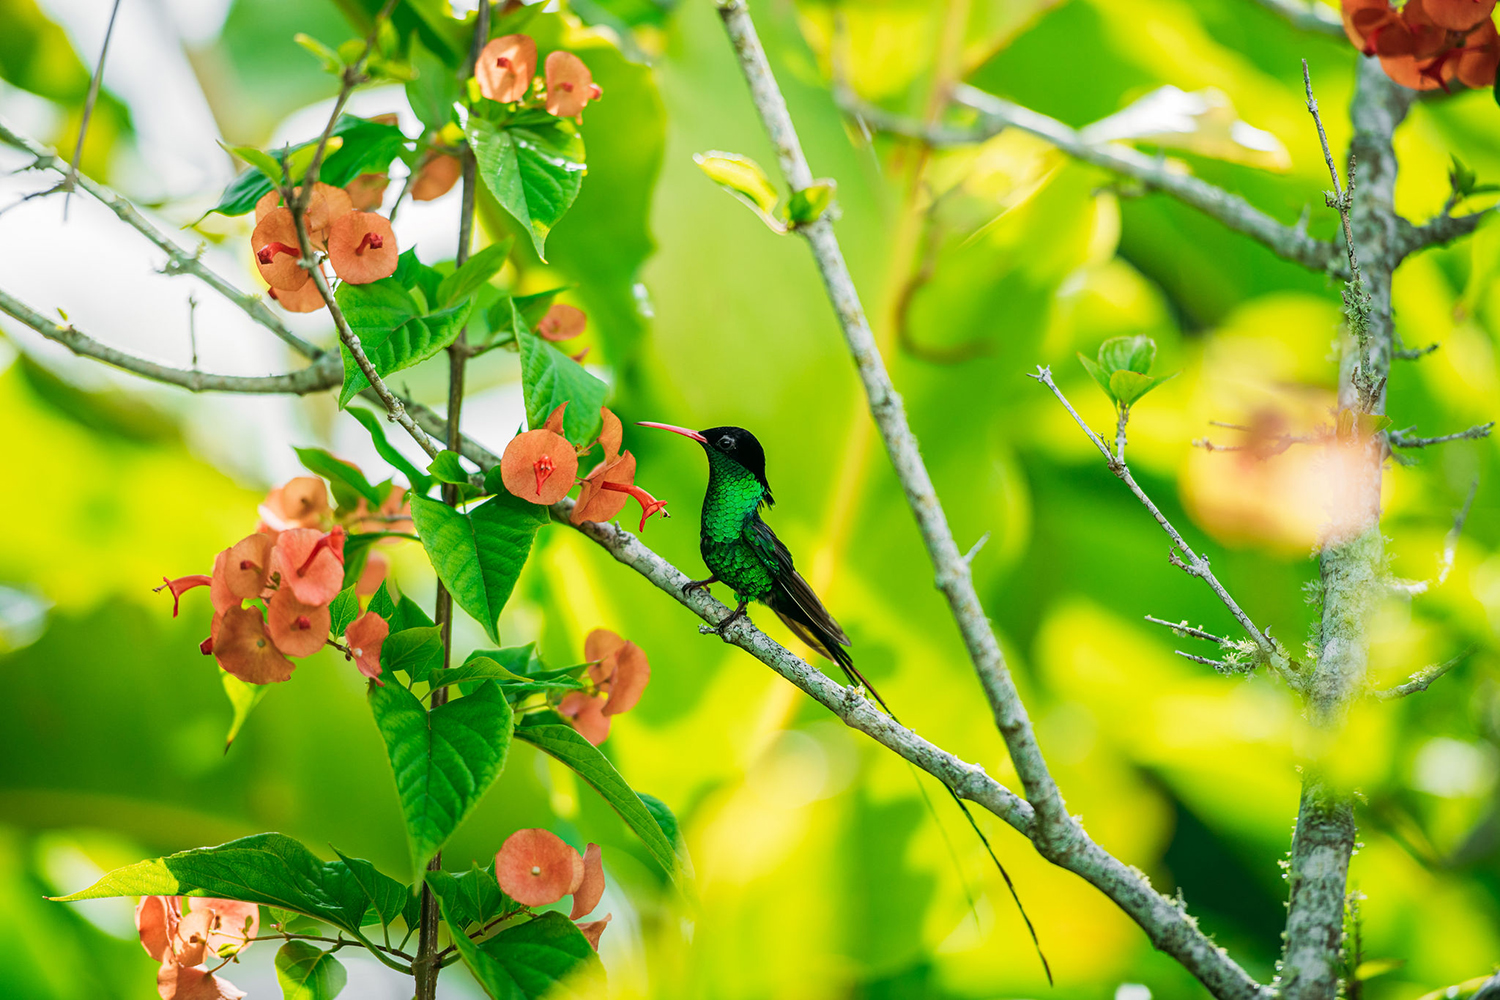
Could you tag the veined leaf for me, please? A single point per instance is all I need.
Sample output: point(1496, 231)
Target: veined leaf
point(414, 650)
point(479, 554)
point(395, 330)
point(342, 610)
point(364, 147)
point(583, 758)
point(535, 170)
point(477, 270)
point(386, 895)
point(472, 897)
point(548, 379)
point(268, 868)
point(526, 961)
point(1135, 354)
point(243, 697)
point(482, 668)
point(1128, 386)
point(419, 481)
point(309, 973)
point(443, 760)
point(348, 482)
point(446, 468)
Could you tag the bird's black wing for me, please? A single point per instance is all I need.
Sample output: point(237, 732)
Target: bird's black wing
point(794, 601)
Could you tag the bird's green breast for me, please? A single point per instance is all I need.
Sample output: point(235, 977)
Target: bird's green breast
point(733, 497)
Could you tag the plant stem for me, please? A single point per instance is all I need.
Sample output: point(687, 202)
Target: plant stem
point(429, 963)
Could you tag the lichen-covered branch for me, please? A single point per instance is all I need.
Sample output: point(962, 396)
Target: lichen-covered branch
point(1442, 229)
point(997, 114)
point(320, 376)
point(1423, 679)
point(1405, 439)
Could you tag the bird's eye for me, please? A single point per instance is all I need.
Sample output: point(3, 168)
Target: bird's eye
point(726, 443)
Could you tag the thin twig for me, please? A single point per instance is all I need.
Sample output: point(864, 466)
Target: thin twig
point(1440, 230)
point(1450, 550)
point(317, 377)
point(1219, 665)
point(88, 109)
point(1195, 565)
point(1183, 628)
point(997, 114)
point(1423, 679)
point(1402, 438)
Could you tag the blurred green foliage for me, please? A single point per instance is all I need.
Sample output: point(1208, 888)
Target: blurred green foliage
point(819, 873)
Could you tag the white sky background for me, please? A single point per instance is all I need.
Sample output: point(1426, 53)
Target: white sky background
point(103, 273)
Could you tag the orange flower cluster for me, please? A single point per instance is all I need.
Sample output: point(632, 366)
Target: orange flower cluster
point(506, 70)
point(213, 930)
point(619, 672)
point(1428, 44)
point(537, 868)
point(359, 244)
point(290, 569)
point(542, 466)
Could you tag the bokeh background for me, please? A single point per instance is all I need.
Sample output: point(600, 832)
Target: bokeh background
point(819, 871)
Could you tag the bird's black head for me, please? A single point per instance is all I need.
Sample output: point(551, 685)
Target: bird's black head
point(732, 442)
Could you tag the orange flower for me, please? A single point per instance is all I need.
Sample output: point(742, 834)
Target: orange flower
point(366, 636)
point(594, 929)
point(539, 466)
point(175, 982)
point(595, 501)
point(537, 867)
point(325, 205)
point(243, 648)
point(310, 563)
point(1459, 15)
point(301, 503)
point(373, 575)
point(436, 175)
point(297, 629)
point(562, 322)
point(241, 571)
point(570, 85)
point(618, 668)
point(367, 191)
point(591, 889)
point(1479, 57)
point(586, 712)
point(362, 248)
point(303, 300)
point(276, 250)
point(212, 929)
point(505, 68)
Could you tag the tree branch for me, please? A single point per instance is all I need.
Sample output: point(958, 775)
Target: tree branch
point(1196, 565)
point(179, 261)
point(1399, 439)
point(1422, 679)
point(996, 114)
point(1056, 835)
point(317, 377)
point(1442, 229)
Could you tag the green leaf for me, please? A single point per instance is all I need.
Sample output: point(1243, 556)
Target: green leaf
point(259, 159)
point(529, 960)
point(328, 58)
point(1129, 386)
point(809, 204)
point(419, 481)
point(394, 328)
point(472, 897)
point(446, 468)
point(665, 819)
point(477, 270)
point(382, 605)
point(346, 479)
point(308, 973)
point(443, 760)
point(564, 744)
point(1099, 374)
point(534, 170)
point(549, 378)
point(479, 554)
point(243, 697)
point(414, 650)
point(268, 868)
point(1134, 354)
point(387, 896)
point(343, 609)
point(364, 147)
point(743, 178)
point(407, 615)
point(433, 88)
point(482, 668)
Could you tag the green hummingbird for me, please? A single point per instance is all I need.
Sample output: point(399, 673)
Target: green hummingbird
point(742, 551)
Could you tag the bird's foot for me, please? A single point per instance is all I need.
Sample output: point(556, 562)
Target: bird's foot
point(692, 585)
point(739, 613)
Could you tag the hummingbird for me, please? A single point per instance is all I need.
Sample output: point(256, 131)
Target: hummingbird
point(740, 550)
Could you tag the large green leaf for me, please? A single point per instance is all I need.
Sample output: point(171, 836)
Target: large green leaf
point(550, 378)
point(564, 743)
point(477, 271)
point(471, 897)
point(366, 147)
point(443, 760)
point(394, 328)
point(482, 668)
point(478, 554)
point(415, 650)
point(309, 973)
point(533, 166)
point(386, 895)
point(527, 961)
point(268, 868)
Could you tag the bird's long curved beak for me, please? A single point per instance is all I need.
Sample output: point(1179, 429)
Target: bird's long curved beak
point(675, 430)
